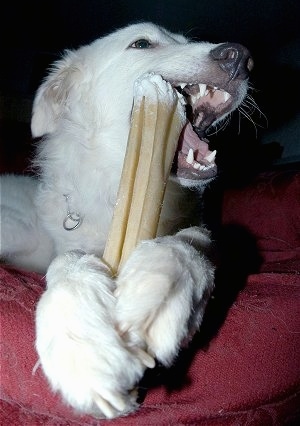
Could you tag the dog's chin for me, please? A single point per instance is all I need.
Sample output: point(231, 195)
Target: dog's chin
point(195, 184)
point(194, 164)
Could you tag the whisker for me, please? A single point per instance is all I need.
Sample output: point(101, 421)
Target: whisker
point(248, 108)
point(252, 102)
point(239, 125)
point(219, 126)
point(252, 88)
point(248, 116)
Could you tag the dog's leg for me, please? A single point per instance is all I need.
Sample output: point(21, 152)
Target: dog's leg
point(163, 290)
point(79, 347)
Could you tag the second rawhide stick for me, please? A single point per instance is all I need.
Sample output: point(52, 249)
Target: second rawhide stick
point(158, 118)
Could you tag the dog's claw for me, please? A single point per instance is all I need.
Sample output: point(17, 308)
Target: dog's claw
point(116, 403)
point(146, 359)
point(104, 407)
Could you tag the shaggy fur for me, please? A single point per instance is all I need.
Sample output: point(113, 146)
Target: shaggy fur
point(96, 335)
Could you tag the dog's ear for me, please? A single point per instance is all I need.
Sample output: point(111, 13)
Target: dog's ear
point(51, 98)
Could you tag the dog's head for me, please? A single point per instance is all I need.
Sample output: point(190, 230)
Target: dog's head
point(91, 90)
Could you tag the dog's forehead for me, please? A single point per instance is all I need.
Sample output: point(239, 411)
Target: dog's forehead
point(150, 31)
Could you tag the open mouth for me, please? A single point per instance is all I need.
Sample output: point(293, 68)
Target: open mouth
point(204, 106)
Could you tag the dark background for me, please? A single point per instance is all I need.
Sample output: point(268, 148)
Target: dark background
point(34, 33)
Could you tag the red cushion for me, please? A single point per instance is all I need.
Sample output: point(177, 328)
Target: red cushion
point(270, 210)
point(248, 374)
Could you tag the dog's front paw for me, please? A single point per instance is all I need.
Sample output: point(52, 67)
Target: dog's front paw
point(80, 350)
point(162, 292)
point(153, 87)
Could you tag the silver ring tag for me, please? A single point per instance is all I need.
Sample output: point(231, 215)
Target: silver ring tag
point(72, 221)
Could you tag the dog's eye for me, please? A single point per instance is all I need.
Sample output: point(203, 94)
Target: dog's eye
point(141, 44)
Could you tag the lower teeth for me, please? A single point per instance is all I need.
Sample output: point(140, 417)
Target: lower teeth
point(198, 166)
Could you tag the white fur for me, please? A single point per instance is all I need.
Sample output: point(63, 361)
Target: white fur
point(97, 335)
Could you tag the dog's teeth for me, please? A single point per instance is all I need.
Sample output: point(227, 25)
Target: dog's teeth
point(208, 167)
point(211, 157)
point(195, 98)
point(190, 156)
point(196, 165)
point(226, 96)
point(182, 85)
point(202, 89)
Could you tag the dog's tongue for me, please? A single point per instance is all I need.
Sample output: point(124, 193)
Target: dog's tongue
point(195, 161)
point(190, 140)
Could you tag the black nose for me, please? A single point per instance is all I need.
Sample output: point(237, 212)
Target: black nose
point(234, 59)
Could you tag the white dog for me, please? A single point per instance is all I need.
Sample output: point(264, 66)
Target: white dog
point(96, 335)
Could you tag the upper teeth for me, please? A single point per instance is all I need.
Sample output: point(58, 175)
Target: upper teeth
point(190, 156)
point(211, 157)
point(226, 96)
point(204, 90)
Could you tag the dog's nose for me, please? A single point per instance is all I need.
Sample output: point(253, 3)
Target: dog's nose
point(234, 59)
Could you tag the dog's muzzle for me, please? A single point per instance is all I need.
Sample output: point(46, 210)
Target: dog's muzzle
point(207, 103)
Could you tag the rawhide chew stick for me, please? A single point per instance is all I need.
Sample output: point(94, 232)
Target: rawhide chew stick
point(157, 120)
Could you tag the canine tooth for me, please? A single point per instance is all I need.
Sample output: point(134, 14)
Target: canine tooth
point(202, 89)
point(182, 85)
point(226, 96)
point(194, 98)
point(211, 157)
point(190, 156)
